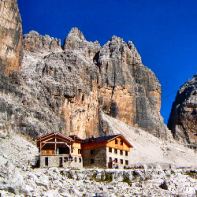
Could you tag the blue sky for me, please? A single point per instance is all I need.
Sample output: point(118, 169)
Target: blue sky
point(164, 31)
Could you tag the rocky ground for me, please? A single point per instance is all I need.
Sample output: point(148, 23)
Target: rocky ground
point(18, 178)
point(150, 149)
point(96, 182)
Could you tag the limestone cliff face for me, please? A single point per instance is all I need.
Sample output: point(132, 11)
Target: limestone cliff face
point(183, 117)
point(76, 41)
point(128, 90)
point(67, 88)
point(81, 80)
point(34, 42)
point(10, 36)
point(66, 84)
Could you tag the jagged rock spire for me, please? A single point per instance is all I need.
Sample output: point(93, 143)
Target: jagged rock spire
point(75, 33)
point(76, 41)
point(35, 42)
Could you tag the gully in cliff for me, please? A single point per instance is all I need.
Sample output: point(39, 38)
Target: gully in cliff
point(57, 150)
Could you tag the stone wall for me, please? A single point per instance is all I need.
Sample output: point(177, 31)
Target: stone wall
point(98, 156)
point(54, 161)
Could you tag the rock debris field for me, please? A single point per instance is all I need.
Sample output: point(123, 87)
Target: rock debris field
point(17, 178)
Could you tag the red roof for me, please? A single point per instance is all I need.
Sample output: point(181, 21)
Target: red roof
point(106, 138)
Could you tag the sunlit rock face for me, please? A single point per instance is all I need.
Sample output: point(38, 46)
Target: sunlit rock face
point(34, 42)
point(65, 88)
point(79, 81)
point(129, 91)
point(10, 36)
point(65, 83)
point(183, 118)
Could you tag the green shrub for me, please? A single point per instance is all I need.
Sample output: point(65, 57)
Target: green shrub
point(192, 174)
point(127, 180)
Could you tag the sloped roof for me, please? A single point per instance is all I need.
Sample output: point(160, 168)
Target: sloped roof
point(76, 138)
point(45, 136)
point(106, 138)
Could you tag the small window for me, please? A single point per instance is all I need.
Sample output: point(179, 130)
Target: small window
point(65, 159)
point(46, 161)
point(75, 159)
point(92, 152)
point(116, 160)
point(126, 162)
point(83, 97)
point(121, 142)
point(80, 160)
point(126, 153)
point(121, 161)
point(116, 141)
point(110, 150)
point(115, 151)
point(121, 152)
point(79, 151)
point(92, 161)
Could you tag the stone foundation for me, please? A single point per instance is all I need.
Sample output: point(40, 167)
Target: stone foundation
point(61, 161)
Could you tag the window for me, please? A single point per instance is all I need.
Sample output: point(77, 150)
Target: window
point(115, 151)
point(75, 159)
point(116, 160)
point(121, 152)
point(91, 152)
point(121, 142)
point(80, 160)
point(126, 162)
point(110, 159)
point(116, 141)
point(92, 161)
point(46, 161)
point(83, 97)
point(110, 150)
point(63, 150)
point(126, 153)
point(61, 162)
point(79, 151)
point(65, 159)
point(121, 161)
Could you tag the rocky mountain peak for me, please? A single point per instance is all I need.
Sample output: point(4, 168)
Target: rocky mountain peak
point(77, 42)
point(116, 39)
point(67, 89)
point(118, 48)
point(75, 33)
point(183, 117)
point(35, 42)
